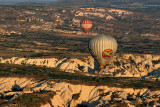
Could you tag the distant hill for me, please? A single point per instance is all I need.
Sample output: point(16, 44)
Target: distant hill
point(24, 2)
point(104, 2)
point(84, 3)
point(29, 4)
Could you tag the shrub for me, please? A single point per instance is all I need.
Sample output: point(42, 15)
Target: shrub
point(81, 68)
point(156, 61)
point(116, 63)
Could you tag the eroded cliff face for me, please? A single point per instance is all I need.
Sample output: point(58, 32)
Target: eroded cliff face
point(67, 94)
point(121, 65)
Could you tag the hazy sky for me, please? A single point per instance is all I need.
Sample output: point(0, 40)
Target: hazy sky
point(5, 2)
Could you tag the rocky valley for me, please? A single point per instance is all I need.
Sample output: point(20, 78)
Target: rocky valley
point(45, 61)
point(49, 93)
point(121, 65)
point(135, 31)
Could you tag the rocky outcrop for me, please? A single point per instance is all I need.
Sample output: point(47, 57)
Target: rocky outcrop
point(6, 32)
point(67, 94)
point(121, 65)
point(120, 12)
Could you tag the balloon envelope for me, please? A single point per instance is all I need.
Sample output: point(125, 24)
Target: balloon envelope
point(102, 48)
point(86, 25)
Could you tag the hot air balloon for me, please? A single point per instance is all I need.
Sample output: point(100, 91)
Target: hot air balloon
point(102, 48)
point(86, 25)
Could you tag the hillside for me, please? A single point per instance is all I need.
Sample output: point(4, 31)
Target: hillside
point(122, 65)
point(108, 3)
point(74, 82)
point(45, 61)
point(44, 30)
point(20, 91)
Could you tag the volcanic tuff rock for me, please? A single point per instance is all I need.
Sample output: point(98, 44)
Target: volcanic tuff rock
point(121, 65)
point(20, 20)
point(67, 94)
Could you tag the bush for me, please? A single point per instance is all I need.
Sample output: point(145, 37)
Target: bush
point(2, 96)
point(117, 63)
point(81, 68)
point(156, 61)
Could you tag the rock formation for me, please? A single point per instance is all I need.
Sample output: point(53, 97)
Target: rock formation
point(122, 65)
point(67, 94)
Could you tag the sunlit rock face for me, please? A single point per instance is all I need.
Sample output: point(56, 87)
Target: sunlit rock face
point(121, 65)
point(67, 94)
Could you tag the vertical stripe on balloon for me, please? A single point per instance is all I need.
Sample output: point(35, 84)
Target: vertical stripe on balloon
point(86, 25)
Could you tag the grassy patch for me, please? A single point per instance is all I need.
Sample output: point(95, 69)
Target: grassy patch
point(34, 99)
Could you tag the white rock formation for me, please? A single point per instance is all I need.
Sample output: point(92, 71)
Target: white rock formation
point(120, 12)
point(124, 65)
point(68, 94)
